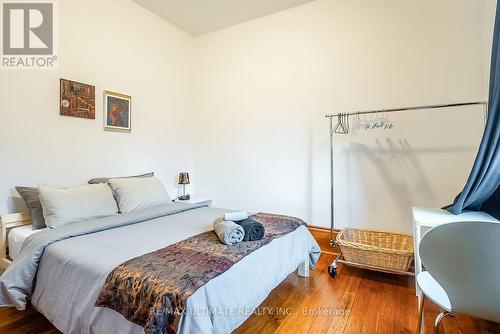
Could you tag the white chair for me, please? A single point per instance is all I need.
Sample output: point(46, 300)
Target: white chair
point(463, 270)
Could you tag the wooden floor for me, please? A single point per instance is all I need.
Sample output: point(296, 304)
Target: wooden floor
point(357, 301)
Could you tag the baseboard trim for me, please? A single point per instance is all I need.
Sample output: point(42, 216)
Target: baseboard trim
point(323, 237)
point(322, 228)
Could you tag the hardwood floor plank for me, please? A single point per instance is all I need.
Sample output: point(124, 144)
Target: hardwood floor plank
point(397, 302)
point(339, 323)
point(316, 310)
point(364, 313)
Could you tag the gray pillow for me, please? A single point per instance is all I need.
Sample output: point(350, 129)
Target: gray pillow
point(63, 206)
point(134, 193)
point(31, 197)
point(106, 179)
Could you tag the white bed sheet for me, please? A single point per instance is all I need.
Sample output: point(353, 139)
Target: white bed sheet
point(16, 238)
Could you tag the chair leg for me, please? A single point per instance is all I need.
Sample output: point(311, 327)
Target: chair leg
point(440, 317)
point(420, 313)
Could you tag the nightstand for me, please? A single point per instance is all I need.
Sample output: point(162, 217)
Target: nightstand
point(197, 200)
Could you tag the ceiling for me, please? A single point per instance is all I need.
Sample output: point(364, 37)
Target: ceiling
point(197, 17)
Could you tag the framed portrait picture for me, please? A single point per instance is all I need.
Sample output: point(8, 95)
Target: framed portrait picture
point(117, 112)
point(76, 99)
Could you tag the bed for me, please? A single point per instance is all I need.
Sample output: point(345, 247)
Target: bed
point(70, 272)
point(16, 238)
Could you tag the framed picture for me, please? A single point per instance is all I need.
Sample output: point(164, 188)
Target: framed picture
point(117, 112)
point(76, 99)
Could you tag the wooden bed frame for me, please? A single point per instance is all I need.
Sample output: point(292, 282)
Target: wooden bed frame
point(7, 222)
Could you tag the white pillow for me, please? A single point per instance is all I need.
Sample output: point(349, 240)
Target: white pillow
point(68, 205)
point(135, 193)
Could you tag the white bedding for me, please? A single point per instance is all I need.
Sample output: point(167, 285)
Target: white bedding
point(72, 271)
point(17, 236)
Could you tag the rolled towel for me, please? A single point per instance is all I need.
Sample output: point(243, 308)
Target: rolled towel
point(253, 229)
point(229, 232)
point(235, 216)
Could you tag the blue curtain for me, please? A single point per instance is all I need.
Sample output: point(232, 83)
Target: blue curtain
point(481, 191)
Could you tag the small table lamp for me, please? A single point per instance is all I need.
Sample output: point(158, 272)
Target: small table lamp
point(184, 179)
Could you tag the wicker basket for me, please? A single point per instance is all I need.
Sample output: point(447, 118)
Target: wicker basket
point(377, 250)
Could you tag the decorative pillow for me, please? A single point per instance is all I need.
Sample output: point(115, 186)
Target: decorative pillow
point(134, 194)
point(31, 197)
point(68, 205)
point(106, 179)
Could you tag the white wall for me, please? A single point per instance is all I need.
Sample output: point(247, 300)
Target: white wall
point(117, 46)
point(245, 106)
point(262, 89)
point(488, 25)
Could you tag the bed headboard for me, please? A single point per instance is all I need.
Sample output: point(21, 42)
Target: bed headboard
point(6, 222)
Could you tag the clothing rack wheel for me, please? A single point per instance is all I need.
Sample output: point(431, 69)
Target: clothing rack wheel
point(332, 269)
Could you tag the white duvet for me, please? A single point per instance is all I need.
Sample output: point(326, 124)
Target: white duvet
point(71, 273)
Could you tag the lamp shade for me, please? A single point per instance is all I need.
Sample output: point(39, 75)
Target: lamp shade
point(184, 178)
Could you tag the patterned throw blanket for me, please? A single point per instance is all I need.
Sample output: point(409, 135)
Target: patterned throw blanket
point(151, 290)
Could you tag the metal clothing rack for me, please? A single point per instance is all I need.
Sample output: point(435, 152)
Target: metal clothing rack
point(342, 127)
